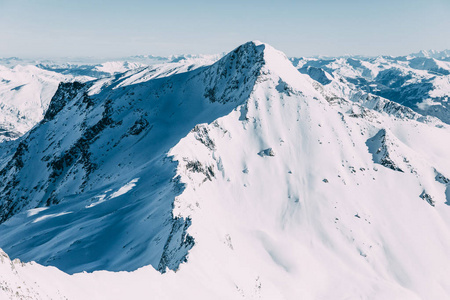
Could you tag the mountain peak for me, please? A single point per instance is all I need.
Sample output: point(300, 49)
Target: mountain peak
point(265, 52)
point(234, 76)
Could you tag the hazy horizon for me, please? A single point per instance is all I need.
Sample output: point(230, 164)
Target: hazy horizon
point(100, 58)
point(111, 29)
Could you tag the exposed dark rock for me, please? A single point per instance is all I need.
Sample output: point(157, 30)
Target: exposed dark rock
point(266, 152)
point(427, 198)
point(79, 152)
point(378, 147)
point(66, 92)
point(197, 167)
point(177, 245)
point(140, 125)
point(441, 178)
point(202, 135)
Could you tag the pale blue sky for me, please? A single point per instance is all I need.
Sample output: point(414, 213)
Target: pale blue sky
point(31, 28)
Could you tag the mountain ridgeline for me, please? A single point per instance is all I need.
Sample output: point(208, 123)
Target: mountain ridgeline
point(243, 178)
point(89, 146)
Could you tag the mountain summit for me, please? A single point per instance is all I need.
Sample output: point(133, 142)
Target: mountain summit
point(100, 140)
point(244, 178)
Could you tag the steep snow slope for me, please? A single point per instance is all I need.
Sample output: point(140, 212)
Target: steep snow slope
point(101, 154)
point(276, 189)
point(321, 218)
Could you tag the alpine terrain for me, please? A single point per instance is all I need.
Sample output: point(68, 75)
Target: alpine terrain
point(252, 176)
point(420, 81)
point(27, 86)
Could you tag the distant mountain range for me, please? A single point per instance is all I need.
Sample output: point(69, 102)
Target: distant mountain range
point(419, 81)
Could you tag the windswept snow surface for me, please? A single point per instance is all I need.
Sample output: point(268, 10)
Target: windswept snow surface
point(255, 182)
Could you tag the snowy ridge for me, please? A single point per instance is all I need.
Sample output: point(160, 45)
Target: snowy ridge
point(27, 86)
point(248, 178)
point(106, 68)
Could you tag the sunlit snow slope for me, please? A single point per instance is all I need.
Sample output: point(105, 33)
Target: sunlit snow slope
point(248, 178)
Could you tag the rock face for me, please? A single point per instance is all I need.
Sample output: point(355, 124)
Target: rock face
point(382, 149)
point(246, 177)
point(266, 152)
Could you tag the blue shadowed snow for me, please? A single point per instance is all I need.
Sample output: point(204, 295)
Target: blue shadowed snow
point(99, 159)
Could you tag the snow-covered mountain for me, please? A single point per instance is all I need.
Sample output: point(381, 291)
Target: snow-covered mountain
point(106, 68)
point(27, 86)
point(83, 152)
point(420, 81)
point(115, 63)
point(242, 179)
